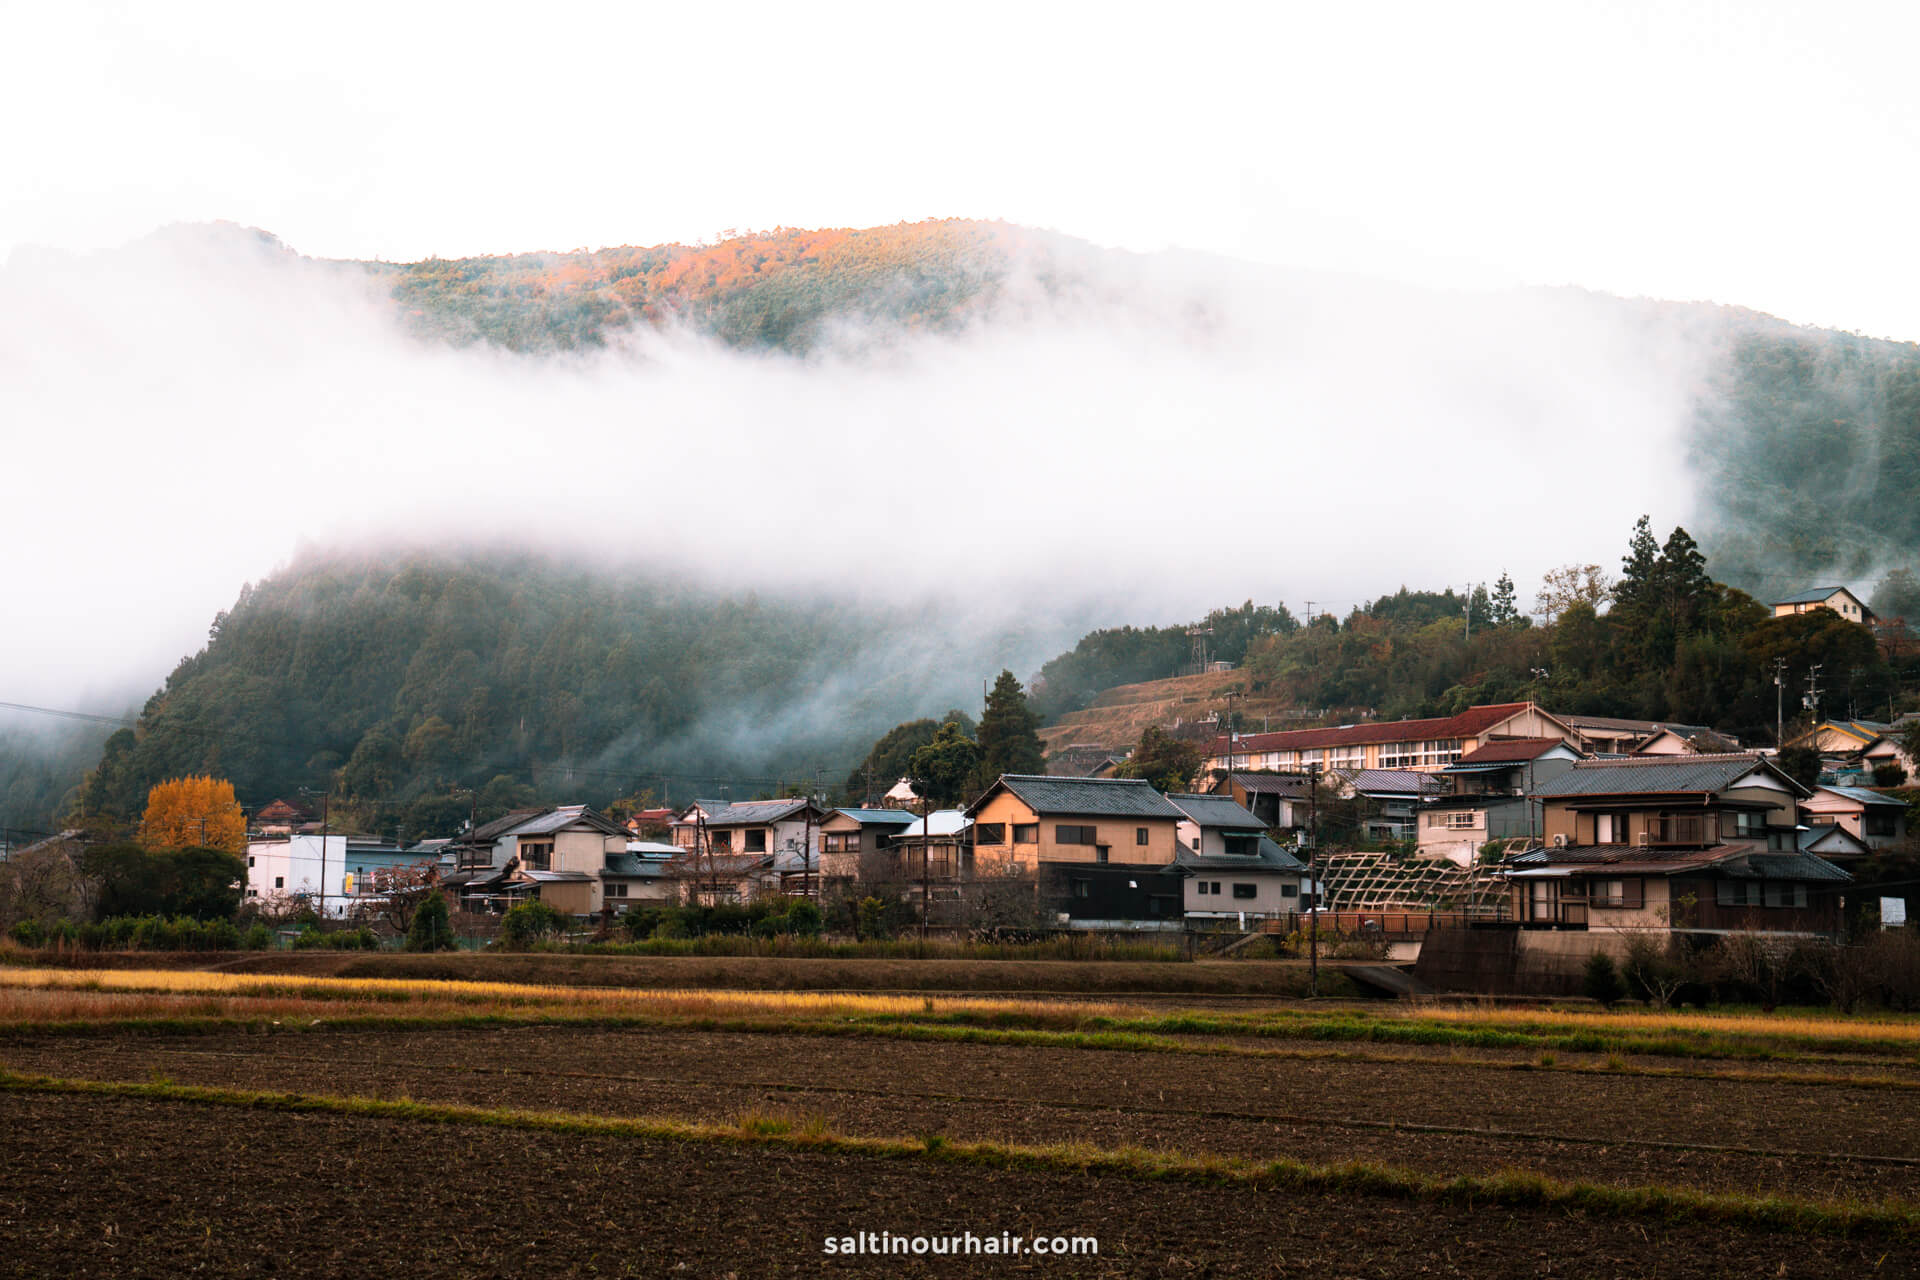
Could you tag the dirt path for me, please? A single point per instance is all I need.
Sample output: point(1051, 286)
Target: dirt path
point(125, 1188)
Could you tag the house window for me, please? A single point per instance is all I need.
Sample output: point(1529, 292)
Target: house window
point(1748, 825)
point(1139, 835)
point(1879, 823)
point(253, 893)
point(1246, 890)
point(1216, 886)
point(1620, 894)
point(1200, 886)
point(1100, 853)
point(1026, 833)
point(850, 842)
point(989, 833)
point(537, 857)
point(249, 859)
point(722, 841)
point(1435, 820)
point(1736, 893)
point(618, 889)
point(1083, 888)
point(1463, 820)
point(1779, 893)
point(279, 882)
point(1074, 835)
point(1290, 890)
point(753, 841)
point(1241, 846)
point(1196, 843)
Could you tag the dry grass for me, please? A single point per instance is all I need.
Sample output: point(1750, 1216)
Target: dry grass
point(1889, 1028)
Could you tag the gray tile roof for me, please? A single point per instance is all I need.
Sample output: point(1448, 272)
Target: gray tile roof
point(1216, 812)
point(565, 816)
point(754, 812)
point(1813, 596)
point(1812, 836)
point(636, 866)
point(1784, 866)
point(1392, 782)
point(1272, 784)
point(1653, 775)
point(1271, 858)
point(1089, 797)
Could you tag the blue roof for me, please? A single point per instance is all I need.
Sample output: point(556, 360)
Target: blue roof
point(895, 817)
point(1865, 796)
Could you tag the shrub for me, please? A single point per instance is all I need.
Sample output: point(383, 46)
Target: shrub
point(1602, 981)
point(803, 919)
point(258, 937)
point(27, 933)
point(870, 924)
point(431, 930)
point(531, 922)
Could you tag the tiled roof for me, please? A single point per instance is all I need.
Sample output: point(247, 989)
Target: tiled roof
point(1785, 866)
point(1618, 725)
point(1511, 751)
point(632, 864)
point(1654, 775)
point(755, 812)
point(1810, 837)
point(488, 832)
point(1217, 812)
point(1469, 723)
point(1270, 858)
point(1091, 797)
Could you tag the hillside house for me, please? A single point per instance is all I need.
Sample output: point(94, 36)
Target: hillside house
point(1877, 820)
point(1617, 736)
point(1696, 844)
point(1838, 599)
point(1420, 745)
point(1489, 797)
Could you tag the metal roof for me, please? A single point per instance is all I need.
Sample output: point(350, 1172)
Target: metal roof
point(1509, 751)
point(1812, 837)
point(1216, 812)
point(1470, 723)
point(636, 867)
point(1089, 797)
point(565, 816)
point(1657, 775)
point(1864, 796)
point(945, 822)
point(1814, 595)
point(1271, 784)
point(754, 812)
point(878, 817)
point(1391, 782)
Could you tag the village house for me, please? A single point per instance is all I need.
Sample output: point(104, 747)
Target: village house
point(1838, 599)
point(554, 854)
point(849, 835)
point(732, 852)
point(1278, 800)
point(1102, 847)
point(1662, 845)
point(1390, 799)
point(332, 873)
point(1877, 820)
point(642, 872)
point(1232, 869)
point(1490, 797)
point(1421, 745)
point(1851, 750)
point(1616, 736)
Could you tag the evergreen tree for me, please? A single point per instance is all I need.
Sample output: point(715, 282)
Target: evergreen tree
point(1637, 567)
point(1681, 589)
point(430, 930)
point(1503, 610)
point(1162, 759)
point(1009, 733)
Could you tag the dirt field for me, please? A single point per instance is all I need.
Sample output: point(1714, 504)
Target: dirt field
point(118, 1188)
point(157, 1185)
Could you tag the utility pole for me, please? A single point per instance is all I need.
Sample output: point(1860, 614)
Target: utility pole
point(806, 853)
point(926, 859)
point(1779, 703)
point(1313, 877)
point(1813, 690)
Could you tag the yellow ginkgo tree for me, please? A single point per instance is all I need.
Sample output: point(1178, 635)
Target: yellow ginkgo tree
point(194, 812)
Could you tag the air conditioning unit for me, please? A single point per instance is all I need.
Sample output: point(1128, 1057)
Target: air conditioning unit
point(1559, 842)
point(1645, 840)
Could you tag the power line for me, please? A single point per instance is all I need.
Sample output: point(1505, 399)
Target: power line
point(117, 721)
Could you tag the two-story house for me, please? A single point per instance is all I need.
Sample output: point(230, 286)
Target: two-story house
point(1425, 745)
point(1877, 820)
point(1230, 866)
point(1101, 847)
point(1489, 797)
point(556, 854)
point(847, 836)
point(1617, 736)
point(787, 832)
point(1679, 844)
point(1838, 599)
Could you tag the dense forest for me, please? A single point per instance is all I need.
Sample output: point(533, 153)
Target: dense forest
point(408, 685)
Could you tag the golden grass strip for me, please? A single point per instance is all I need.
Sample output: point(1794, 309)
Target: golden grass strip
point(1509, 1188)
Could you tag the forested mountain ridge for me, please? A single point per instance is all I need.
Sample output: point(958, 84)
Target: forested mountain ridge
point(404, 681)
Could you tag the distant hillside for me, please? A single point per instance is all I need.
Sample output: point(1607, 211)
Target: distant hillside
point(406, 678)
point(1805, 445)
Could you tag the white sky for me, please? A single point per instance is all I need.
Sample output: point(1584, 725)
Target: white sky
point(1765, 154)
